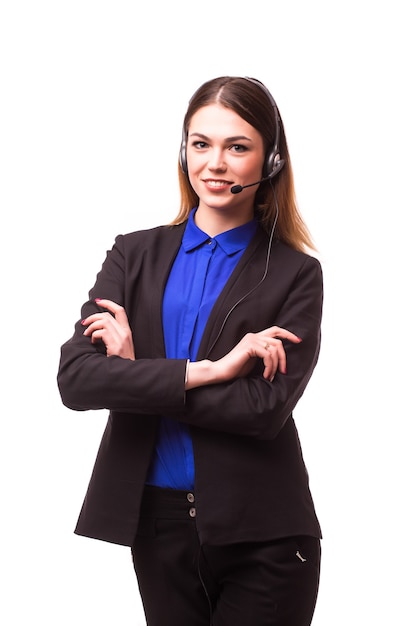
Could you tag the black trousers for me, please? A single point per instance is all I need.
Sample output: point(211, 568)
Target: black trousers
point(183, 583)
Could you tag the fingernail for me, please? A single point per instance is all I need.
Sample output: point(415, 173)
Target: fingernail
point(83, 322)
point(98, 299)
point(299, 338)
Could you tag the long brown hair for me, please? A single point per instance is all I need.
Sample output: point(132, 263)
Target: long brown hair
point(252, 102)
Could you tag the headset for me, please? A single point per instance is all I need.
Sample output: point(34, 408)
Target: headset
point(273, 162)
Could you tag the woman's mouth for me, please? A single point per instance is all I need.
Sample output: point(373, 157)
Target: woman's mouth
point(216, 184)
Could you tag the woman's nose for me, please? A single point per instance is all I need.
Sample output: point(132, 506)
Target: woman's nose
point(216, 161)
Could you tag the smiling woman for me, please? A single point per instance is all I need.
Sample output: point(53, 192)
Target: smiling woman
point(254, 104)
point(199, 337)
point(229, 152)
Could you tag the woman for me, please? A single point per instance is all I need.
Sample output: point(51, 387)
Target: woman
point(200, 337)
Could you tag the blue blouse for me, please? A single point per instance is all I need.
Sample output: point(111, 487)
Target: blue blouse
point(198, 275)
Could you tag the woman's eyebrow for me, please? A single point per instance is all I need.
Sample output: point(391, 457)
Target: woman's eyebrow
point(235, 138)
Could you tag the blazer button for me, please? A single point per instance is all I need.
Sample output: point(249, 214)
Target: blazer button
point(192, 512)
point(190, 497)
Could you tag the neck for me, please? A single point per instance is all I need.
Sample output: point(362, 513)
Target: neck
point(215, 222)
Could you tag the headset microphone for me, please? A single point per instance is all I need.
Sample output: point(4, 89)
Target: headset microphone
point(278, 167)
point(239, 188)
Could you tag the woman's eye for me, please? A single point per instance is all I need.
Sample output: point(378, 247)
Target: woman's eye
point(199, 144)
point(237, 147)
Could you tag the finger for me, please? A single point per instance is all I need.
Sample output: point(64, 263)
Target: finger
point(98, 332)
point(269, 369)
point(98, 335)
point(274, 357)
point(281, 333)
point(95, 317)
point(97, 321)
point(116, 309)
point(281, 359)
point(269, 354)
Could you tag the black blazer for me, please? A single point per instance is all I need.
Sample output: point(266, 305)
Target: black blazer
point(251, 483)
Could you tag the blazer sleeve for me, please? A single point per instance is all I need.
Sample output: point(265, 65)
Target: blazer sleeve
point(253, 406)
point(88, 379)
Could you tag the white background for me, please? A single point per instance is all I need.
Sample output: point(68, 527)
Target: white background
point(92, 99)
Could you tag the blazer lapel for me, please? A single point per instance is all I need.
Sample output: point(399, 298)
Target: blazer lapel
point(244, 278)
point(162, 262)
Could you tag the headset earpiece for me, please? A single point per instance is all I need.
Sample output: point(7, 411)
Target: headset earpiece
point(183, 152)
point(277, 166)
point(273, 162)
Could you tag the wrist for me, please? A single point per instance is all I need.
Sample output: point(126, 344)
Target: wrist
point(200, 373)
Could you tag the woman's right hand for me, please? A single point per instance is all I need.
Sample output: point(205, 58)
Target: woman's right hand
point(112, 329)
point(267, 345)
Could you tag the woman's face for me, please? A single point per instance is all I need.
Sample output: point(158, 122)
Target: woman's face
point(223, 150)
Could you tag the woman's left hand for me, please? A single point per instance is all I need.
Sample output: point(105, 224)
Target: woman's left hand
point(239, 362)
point(113, 330)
